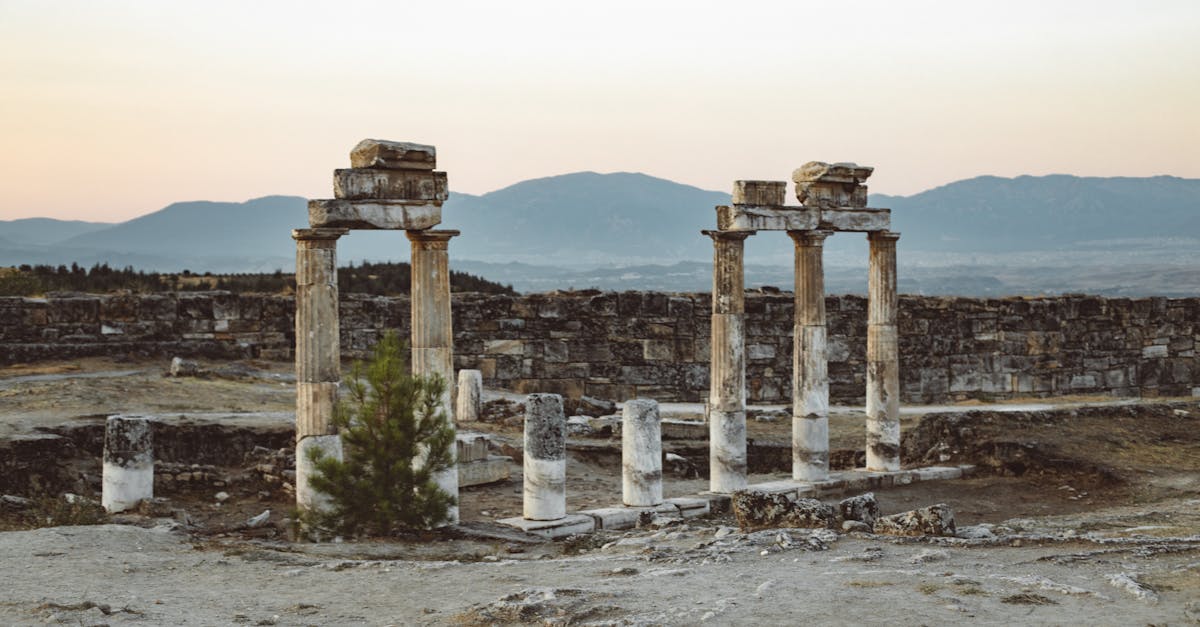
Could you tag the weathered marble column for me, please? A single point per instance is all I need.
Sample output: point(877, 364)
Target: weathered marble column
point(469, 400)
point(883, 356)
point(545, 458)
point(810, 368)
point(432, 330)
point(128, 473)
point(318, 352)
point(641, 454)
point(727, 374)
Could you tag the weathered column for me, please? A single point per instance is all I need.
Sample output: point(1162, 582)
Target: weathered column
point(883, 356)
point(727, 374)
point(128, 475)
point(318, 353)
point(810, 368)
point(641, 454)
point(432, 330)
point(469, 400)
point(545, 458)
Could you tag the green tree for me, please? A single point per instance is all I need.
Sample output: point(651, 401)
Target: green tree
point(396, 438)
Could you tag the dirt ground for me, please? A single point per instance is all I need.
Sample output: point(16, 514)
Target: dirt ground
point(1093, 517)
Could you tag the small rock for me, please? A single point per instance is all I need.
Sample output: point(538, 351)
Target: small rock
point(579, 425)
point(976, 532)
point(723, 531)
point(935, 520)
point(258, 520)
point(764, 588)
point(221, 496)
point(929, 555)
point(850, 526)
point(863, 508)
point(181, 367)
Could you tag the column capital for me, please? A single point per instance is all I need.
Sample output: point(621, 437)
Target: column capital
point(318, 234)
point(429, 239)
point(883, 236)
point(809, 238)
point(728, 236)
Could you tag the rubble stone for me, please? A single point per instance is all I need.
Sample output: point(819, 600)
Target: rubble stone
point(935, 520)
point(862, 508)
point(390, 155)
point(759, 510)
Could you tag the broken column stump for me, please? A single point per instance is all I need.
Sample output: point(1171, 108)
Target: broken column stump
point(641, 454)
point(469, 400)
point(545, 463)
point(128, 475)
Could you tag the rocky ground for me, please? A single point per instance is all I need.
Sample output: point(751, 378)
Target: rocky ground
point(1080, 515)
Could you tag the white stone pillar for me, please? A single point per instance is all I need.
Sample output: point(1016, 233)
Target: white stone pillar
point(128, 475)
point(727, 374)
point(545, 458)
point(883, 356)
point(810, 361)
point(469, 401)
point(641, 454)
point(432, 330)
point(318, 352)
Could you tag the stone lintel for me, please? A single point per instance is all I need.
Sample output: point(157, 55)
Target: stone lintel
point(762, 218)
point(568, 525)
point(366, 183)
point(374, 214)
point(318, 234)
point(390, 155)
point(856, 220)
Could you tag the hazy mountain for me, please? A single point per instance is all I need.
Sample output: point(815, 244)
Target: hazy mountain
point(40, 231)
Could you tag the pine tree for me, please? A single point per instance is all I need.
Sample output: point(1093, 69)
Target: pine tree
point(395, 438)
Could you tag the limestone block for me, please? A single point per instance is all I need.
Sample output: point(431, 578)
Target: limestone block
point(491, 469)
point(761, 193)
point(390, 155)
point(830, 195)
point(756, 218)
point(841, 172)
point(691, 507)
point(757, 510)
point(359, 184)
point(375, 214)
point(567, 525)
point(471, 446)
point(629, 517)
point(936, 520)
point(856, 220)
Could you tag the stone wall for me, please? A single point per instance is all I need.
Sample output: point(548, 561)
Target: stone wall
point(622, 345)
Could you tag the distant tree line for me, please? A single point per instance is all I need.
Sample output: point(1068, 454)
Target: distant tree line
point(382, 279)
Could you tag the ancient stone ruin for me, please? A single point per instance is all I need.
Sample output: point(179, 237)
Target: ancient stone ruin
point(833, 198)
point(393, 186)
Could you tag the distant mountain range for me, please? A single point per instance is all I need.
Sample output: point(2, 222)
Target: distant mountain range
point(982, 235)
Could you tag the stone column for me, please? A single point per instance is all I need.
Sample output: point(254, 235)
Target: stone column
point(318, 353)
point(128, 474)
point(469, 400)
point(432, 330)
point(641, 454)
point(727, 374)
point(883, 356)
point(545, 458)
point(810, 367)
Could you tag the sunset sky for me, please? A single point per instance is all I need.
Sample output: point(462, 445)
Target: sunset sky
point(114, 109)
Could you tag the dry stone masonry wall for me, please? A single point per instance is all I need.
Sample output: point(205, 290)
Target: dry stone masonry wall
point(655, 345)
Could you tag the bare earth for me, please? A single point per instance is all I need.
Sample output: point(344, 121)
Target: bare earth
point(1059, 545)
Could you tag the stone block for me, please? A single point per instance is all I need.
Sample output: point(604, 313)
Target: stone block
point(471, 446)
point(831, 195)
point(390, 155)
point(374, 214)
point(856, 220)
point(1154, 352)
point(840, 172)
point(504, 347)
point(684, 430)
point(760, 193)
point(629, 517)
point(491, 469)
point(690, 507)
point(787, 488)
point(361, 184)
point(937, 473)
point(568, 525)
point(753, 218)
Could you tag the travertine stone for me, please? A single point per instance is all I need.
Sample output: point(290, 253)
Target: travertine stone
point(330, 446)
point(841, 172)
point(883, 362)
point(810, 355)
point(432, 328)
point(641, 454)
point(364, 183)
point(760, 193)
point(318, 349)
point(390, 155)
point(469, 399)
point(545, 458)
point(727, 461)
point(727, 376)
point(861, 220)
point(749, 218)
point(128, 470)
point(826, 185)
point(375, 214)
point(560, 527)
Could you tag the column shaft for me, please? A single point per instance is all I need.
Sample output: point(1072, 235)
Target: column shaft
point(727, 374)
point(883, 356)
point(641, 454)
point(432, 328)
point(545, 458)
point(810, 356)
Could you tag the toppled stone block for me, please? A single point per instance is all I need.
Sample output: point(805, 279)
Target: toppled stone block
point(389, 155)
point(935, 520)
point(761, 193)
point(759, 510)
point(590, 406)
point(862, 508)
point(365, 183)
point(831, 185)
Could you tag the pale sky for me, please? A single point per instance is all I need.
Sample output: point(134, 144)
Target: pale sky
point(114, 109)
